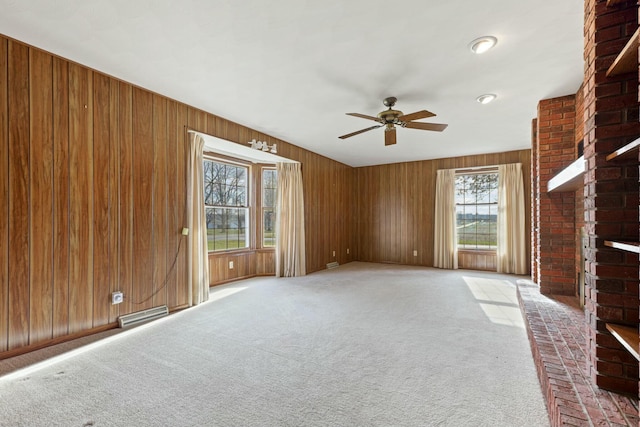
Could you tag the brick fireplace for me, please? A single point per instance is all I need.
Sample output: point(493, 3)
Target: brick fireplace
point(603, 199)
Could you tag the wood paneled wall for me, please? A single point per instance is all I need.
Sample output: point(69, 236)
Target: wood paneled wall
point(92, 199)
point(396, 204)
point(477, 260)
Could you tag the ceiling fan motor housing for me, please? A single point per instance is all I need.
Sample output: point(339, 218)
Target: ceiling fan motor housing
point(390, 116)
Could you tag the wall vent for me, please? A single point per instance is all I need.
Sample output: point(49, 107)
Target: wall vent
point(142, 316)
point(333, 264)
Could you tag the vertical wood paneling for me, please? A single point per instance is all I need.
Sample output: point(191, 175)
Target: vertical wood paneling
point(4, 197)
point(365, 217)
point(93, 173)
point(197, 120)
point(477, 261)
point(181, 139)
point(403, 219)
point(377, 222)
point(60, 197)
point(323, 219)
point(159, 200)
point(360, 218)
point(143, 152)
point(211, 125)
point(101, 205)
point(396, 206)
point(41, 196)
point(173, 219)
point(246, 264)
point(80, 202)
point(125, 211)
point(114, 199)
point(18, 79)
point(265, 263)
point(429, 172)
point(333, 200)
point(395, 214)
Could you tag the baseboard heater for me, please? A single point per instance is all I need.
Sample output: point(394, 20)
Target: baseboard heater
point(332, 265)
point(142, 316)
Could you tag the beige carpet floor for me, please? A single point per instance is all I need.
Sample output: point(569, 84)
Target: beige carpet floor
point(360, 345)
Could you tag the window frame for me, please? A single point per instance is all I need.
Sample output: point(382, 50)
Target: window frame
point(483, 171)
point(254, 202)
point(263, 208)
point(246, 207)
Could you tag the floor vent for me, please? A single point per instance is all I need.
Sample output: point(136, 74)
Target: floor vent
point(333, 264)
point(142, 316)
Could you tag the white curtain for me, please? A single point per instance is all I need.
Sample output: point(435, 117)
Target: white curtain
point(445, 248)
point(511, 252)
point(290, 249)
point(197, 250)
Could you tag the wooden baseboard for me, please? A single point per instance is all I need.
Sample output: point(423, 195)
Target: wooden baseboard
point(59, 340)
point(235, 279)
point(178, 308)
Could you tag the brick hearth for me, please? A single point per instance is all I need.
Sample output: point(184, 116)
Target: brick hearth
point(557, 333)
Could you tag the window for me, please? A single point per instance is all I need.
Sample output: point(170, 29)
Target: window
point(477, 210)
point(226, 206)
point(269, 185)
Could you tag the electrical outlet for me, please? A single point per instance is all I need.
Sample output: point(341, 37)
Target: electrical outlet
point(185, 231)
point(347, 251)
point(230, 265)
point(415, 253)
point(116, 297)
point(334, 254)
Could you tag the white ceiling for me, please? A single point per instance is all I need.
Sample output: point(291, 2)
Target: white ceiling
point(293, 68)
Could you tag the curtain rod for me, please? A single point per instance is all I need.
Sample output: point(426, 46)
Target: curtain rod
point(481, 168)
point(477, 169)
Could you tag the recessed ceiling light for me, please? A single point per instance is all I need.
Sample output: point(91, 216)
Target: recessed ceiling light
point(482, 44)
point(486, 98)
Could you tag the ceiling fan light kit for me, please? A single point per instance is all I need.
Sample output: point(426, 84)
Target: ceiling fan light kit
point(482, 44)
point(390, 118)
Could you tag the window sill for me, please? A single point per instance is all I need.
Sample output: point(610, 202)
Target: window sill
point(240, 251)
point(231, 251)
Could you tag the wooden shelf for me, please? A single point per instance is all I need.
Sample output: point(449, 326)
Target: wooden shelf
point(625, 246)
point(629, 151)
point(627, 59)
point(628, 337)
point(569, 178)
point(611, 3)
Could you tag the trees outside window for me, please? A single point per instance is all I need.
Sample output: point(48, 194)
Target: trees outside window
point(227, 210)
point(477, 210)
point(269, 185)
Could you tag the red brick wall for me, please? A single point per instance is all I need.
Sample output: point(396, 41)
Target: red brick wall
point(555, 150)
point(535, 212)
point(611, 194)
point(579, 196)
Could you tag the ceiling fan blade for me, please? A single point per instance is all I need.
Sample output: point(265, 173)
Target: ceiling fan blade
point(358, 132)
point(416, 116)
point(364, 116)
point(438, 127)
point(390, 136)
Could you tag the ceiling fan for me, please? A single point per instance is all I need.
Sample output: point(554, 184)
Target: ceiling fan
point(390, 118)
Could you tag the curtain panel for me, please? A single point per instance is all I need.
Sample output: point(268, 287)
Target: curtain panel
point(197, 249)
point(511, 252)
point(445, 247)
point(290, 238)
